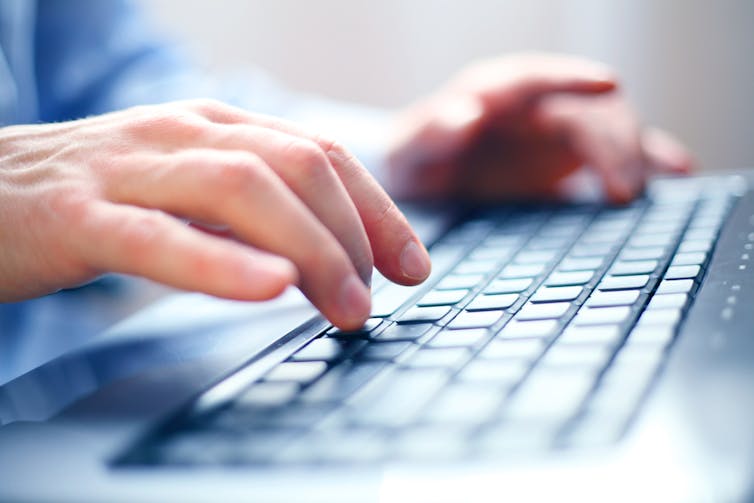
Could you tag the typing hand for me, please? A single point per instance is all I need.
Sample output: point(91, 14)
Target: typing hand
point(270, 205)
point(516, 127)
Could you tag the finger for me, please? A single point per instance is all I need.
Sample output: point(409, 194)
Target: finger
point(665, 153)
point(490, 92)
point(398, 252)
point(306, 169)
point(513, 82)
point(151, 244)
point(237, 189)
point(605, 135)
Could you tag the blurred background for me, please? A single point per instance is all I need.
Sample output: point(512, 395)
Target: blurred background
point(686, 64)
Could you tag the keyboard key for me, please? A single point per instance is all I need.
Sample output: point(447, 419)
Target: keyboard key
point(572, 278)
point(581, 264)
point(623, 282)
point(465, 404)
point(589, 356)
point(471, 266)
point(553, 294)
point(518, 329)
point(652, 334)
point(424, 314)
point(535, 256)
point(630, 254)
point(268, 394)
point(683, 272)
point(698, 245)
point(601, 315)
point(549, 396)
point(666, 316)
point(651, 240)
point(613, 298)
point(301, 372)
point(459, 281)
point(675, 286)
point(397, 398)
point(668, 300)
point(633, 268)
point(502, 374)
point(607, 335)
point(486, 302)
point(389, 298)
point(363, 333)
point(341, 381)
point(542, 311)
point(476, 319)
point(446, 358)
point(521, 271)
point(520, 349)
point(383, 351)
point(442, 297)
point(409, 332)
point(323, 349)
point(471, 337)
point(499, 286)
point(591, 250)
point(690, 258)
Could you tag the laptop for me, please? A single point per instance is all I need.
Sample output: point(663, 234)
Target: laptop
point(580, 352)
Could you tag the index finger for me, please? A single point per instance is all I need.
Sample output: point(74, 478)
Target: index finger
point(398, 252)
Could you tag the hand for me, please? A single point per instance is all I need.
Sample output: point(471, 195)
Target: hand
point(280, 207)
point(518, 126)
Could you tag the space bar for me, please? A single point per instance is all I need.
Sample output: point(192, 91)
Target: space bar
point(392, 296)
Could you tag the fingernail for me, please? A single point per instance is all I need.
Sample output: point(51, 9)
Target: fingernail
point(415, 262)
point(355, 302)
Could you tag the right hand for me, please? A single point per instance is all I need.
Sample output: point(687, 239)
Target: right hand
point(281, 206)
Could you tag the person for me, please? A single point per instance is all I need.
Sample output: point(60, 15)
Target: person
point(105, 165)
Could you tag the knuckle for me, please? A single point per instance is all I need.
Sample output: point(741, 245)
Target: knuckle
point(237, 172)
point(166, 121)
point(308, 157)
point(139, 234)
point(208, 107)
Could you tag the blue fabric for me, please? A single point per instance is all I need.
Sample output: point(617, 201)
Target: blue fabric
point(68, 59)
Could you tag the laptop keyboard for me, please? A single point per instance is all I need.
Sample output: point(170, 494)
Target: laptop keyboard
point(541, 329)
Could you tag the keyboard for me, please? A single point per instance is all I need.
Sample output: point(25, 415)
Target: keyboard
point(541, 328)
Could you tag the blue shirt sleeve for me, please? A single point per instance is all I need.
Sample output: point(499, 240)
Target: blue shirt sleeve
point(96, 56)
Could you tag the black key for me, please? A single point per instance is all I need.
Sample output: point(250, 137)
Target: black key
point(341, 381)
point(407, 332)
point(424, 314)
point(326, 349)
point(362, 333)
point(383, 351)
point(300, 372)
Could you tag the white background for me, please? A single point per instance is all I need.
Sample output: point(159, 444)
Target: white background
point(686, 64)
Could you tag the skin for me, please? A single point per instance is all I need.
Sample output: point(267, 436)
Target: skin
point(103, 194)
point(516, 127)
point(206, 197)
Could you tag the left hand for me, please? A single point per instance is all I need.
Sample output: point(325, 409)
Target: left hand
point(516, 127)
